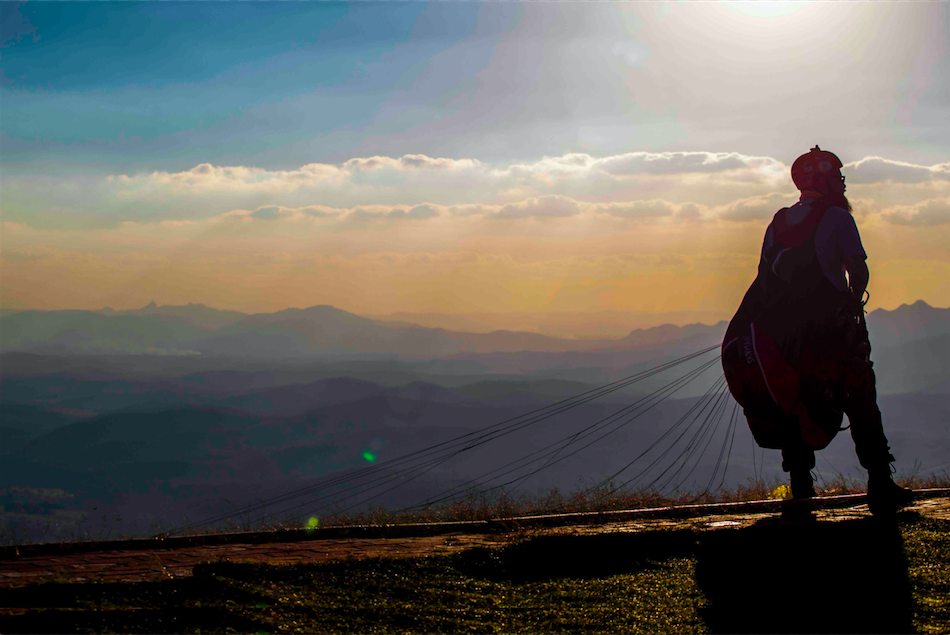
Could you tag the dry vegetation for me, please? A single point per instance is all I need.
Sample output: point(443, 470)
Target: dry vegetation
point(477, 505)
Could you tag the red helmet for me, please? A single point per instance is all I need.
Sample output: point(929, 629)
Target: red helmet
point(816, 161)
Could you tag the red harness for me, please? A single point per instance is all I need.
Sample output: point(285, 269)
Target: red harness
point(795, 235)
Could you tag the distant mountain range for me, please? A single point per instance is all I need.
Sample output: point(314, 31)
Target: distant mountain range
point(196, 329)
point(197, 315)
point(578, 325)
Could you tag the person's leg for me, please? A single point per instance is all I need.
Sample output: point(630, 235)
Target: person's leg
point(867, 427)
point(799, 460)
point(870, 442)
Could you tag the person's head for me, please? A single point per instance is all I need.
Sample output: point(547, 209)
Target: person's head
point(819, 172)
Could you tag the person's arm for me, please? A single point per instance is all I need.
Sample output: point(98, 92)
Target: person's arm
point(849, 244)
point(858, 276)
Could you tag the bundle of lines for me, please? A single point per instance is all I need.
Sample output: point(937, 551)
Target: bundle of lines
point(680, 449)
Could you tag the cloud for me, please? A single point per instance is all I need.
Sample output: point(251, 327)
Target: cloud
point(366, 214)
point(638, 209)
point(465, 174)
point(552, 206)
point(410, 162)
point(580, 166)
point(879, 170)
point(443, 179)
point(565, 165)
point(634, 185)
point(271, 212)
point(935, 211)
point(315, 213)
point(474, 209)
point(319, 211)
point(216, 179)
point(673, 162)
point(544, 206)
point(370, 213)
point(689, 212)
point(417, 212)
point(753, 207)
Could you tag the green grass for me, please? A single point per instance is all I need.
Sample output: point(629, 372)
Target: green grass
point(929, 574)
point(864, 575)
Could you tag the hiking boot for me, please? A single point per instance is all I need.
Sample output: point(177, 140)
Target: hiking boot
point(885, 496)
point(802, 486)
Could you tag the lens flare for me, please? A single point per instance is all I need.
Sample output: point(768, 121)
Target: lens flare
point(313, 522)
point(369, 456)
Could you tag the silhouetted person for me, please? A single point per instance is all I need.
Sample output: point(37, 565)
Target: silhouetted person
point(797, 355)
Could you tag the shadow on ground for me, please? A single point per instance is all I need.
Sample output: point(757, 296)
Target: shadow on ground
point(790, 575)
point(806, 577)
point(577, 557)
point(777, 576)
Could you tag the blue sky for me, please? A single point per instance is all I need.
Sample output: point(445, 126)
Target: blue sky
point(176, 84)
point(477, 156)
point(171, 85)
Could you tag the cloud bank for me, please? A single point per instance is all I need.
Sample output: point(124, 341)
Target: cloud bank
point(673, 229)
point(637, 185)
point(930, 213)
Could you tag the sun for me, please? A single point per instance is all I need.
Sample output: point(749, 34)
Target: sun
point(765, 9)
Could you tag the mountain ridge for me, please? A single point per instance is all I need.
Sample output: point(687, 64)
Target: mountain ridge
point(327, 330)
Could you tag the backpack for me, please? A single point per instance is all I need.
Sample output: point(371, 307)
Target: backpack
point(787, 314)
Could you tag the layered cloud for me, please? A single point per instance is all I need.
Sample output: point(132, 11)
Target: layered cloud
point(634, 163)
point(927, 213)
point(656, 208)
point(753, 208)
point(370, 171)
point(541, 207)
point(408, 170)
point(676, 229)
point(880, 170)
point(545, 206)
point(664, 187)
point(410, 162)
point(210, 178)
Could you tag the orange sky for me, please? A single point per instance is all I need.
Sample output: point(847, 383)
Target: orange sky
point(456, 157)
point(588, 249)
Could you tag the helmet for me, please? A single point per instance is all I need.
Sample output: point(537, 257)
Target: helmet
point(808, 165)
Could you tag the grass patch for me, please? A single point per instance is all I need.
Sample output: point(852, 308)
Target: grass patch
point(928, 557)
point(864, 575)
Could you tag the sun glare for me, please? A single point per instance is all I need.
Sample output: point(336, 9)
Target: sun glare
point(764, 9)
point(771, 22)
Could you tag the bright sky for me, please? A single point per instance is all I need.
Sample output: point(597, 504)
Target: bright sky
point(458, 157)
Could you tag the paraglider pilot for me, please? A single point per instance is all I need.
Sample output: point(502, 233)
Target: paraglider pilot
point(797, 355)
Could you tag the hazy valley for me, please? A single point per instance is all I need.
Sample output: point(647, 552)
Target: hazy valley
point(127, 422)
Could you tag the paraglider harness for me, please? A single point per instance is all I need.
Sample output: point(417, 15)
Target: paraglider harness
point(797, 345)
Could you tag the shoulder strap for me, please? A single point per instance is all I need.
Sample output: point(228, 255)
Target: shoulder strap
point(795, 235)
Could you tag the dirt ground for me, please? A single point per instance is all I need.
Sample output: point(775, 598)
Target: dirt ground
point(157, 564)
